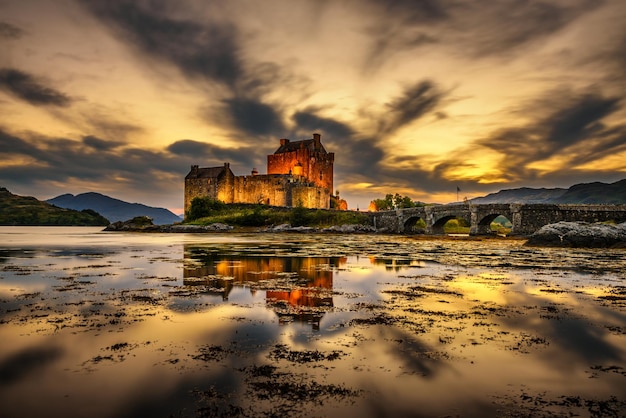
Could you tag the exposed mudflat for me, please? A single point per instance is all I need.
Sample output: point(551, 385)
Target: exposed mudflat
point(226, 325)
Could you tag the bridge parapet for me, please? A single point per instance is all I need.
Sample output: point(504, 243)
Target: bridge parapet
point(525, 218)
point(534, 216)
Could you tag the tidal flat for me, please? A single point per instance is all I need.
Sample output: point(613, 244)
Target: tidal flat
point(113, 324)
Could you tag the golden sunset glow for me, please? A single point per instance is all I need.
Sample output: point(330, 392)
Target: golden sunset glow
point(412, 97)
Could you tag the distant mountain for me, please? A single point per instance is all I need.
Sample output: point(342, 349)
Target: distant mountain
point(26, 210)
point(114, 209)
point(596, 193)
point(612, 193)
point(522, 195)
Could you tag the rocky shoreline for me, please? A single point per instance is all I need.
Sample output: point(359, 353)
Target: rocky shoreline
point(560, 234)
point(144, 224)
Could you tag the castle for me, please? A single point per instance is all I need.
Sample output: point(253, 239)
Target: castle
point(298, 173)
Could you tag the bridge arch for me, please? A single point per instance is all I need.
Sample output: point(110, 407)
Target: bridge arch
point(415, 224)
point(438, 224)
point(483, 227)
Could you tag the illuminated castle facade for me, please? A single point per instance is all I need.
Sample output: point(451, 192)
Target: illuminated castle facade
point(298, 173)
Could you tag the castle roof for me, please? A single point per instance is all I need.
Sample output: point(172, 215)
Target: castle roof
point(313, 145)
point(206, 172)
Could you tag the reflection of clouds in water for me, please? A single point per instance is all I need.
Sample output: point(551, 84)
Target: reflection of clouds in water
point(28, 361)
point(421, 325)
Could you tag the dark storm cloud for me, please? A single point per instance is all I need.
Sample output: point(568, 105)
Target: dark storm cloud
point(100, 144)
point(308, 121)
point(360, 155)
point(31, 89)
point(9, 31)
point(208, 50)
point(412, 11)
point(481, 29)
point(509, 24)
point(415, 102)
point(254, 117)
point(401, 25)
point(60, 160)
point(200, 50)
point(190, 147)
point(202, 151)
point(15, 145)
point(565, 125)
point(579, 121)
point(574, 131)
point(109, 127)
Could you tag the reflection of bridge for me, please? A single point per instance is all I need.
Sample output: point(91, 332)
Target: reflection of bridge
point(525, 218)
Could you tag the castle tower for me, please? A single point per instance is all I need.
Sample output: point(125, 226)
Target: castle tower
point(308, 157)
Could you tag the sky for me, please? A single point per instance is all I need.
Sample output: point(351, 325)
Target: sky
point(417, 97)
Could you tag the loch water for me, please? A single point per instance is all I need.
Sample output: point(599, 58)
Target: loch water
point(114, 324)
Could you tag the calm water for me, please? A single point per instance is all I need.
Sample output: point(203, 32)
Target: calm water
point(120, 324)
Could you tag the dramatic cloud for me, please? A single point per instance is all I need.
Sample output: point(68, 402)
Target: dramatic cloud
point(8, 31)
point(414, 103)
point(579, 121)
point(201, 151)
point(574, 133)
point(254, 117)
point(27, 87)
point(100, 144)
point(412, 96)
point(206, 51)
point(309, 121)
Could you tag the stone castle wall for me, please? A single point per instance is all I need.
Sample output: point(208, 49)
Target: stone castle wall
point(317, 167)
point(267, 190)
point(215, 187)
point(279, 190)
point(298, 173)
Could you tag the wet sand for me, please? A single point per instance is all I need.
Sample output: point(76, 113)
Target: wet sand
point(122, 324)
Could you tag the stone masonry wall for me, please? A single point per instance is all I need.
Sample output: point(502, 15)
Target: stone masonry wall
point(268, 190)
point(317, 167)
point(216, 188)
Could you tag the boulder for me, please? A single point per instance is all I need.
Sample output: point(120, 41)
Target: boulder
point(350, 229)
point(580, 234)
point(138, 223)
point(289, 228)
point(144, 224)
point(214, 227)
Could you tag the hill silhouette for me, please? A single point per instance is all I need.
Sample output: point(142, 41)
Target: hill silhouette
point(26, 210)
point(583, 193)
point(114, 209)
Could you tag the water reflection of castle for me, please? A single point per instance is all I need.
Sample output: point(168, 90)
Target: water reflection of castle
point(296, 288)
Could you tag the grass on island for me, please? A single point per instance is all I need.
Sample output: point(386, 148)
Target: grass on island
point(206, 212)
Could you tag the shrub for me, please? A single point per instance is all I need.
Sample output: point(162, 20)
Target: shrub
point(299, 216)
point(202, 207)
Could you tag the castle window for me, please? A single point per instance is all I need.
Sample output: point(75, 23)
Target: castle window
point(321, 175)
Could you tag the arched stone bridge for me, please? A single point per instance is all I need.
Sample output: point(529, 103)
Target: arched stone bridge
point(525, 218)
